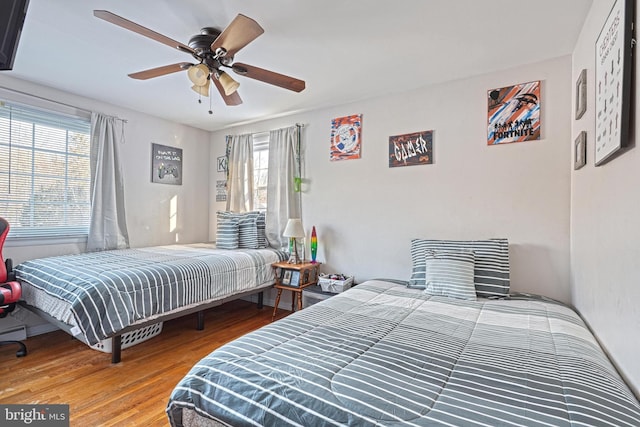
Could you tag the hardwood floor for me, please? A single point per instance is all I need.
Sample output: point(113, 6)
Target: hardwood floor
point(135, 392)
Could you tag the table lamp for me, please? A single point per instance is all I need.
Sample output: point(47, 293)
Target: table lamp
point(294, 230)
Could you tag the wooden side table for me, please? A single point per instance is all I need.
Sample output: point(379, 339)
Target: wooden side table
point(294, 278)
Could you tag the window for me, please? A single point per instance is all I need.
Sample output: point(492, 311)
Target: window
point(44, 171)
point(260, 170)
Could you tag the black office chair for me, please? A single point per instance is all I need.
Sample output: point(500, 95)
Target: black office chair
point(10, 289)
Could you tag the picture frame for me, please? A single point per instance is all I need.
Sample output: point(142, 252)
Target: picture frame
point(166, 164)
point(286, 277)
point(222, 163)
point(580, 151)
point(613, 74)
point(581, 94)
point(346, 138)
point(411, 149)
point(295, 279)
point(514, 113)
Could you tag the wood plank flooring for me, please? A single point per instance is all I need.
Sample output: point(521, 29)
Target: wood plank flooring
point(135, 392)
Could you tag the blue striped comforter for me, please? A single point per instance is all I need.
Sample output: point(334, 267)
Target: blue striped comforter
point(110, 290)
point(383, 354)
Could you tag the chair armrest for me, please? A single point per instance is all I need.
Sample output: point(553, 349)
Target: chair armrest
point(11, 275)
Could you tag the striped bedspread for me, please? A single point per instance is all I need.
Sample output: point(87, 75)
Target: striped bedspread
point(108, 291)
point(383, 354)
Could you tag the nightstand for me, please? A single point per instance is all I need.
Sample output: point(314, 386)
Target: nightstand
point(294, 278)
point(314, 294)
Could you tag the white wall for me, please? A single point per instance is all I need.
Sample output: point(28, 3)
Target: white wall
point(366, 213)
point(605, 230)
point(148, 205)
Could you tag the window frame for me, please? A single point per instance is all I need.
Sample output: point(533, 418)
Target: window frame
point(74, 120)
point(260, 143)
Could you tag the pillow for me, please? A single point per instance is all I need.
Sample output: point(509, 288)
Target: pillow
point(491, 270)
point(227, 233)
point(248, 230)
point(450, 274)
point(261, 223)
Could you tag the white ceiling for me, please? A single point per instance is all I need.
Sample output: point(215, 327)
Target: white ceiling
point(344, 50)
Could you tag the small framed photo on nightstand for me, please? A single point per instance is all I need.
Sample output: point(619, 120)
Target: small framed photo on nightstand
point(295, 279)
point(286, 277)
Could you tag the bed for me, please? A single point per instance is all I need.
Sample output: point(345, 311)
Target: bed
point(450, 346)
point(103, 295)
point(383, 353)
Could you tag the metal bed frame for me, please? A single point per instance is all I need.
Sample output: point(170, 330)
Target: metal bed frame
point(116, 349)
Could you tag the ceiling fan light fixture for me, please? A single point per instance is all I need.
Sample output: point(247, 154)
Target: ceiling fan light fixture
point(198, 74)
point(202, 89)
point(228, 84)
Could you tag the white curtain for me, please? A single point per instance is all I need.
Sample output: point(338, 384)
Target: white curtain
point(283, 202)
point(239, 173)
point(108, 226)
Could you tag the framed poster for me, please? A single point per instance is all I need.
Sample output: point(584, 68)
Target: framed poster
point(613, 82)
point(411, 149)
point(221, 190)
point(346, 137)
point(580, 152)
point(166, 164)
point(513, 113)
point(581, 94)
point(222, 163)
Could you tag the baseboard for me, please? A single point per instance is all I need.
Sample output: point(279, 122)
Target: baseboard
point(269, 301)
point(17, 333)
point(43, 328)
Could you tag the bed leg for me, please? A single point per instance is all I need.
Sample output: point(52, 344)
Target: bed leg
point(200, 323)
point(261, 299)
point(115, 348)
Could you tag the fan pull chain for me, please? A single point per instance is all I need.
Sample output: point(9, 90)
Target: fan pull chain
point(210, 110)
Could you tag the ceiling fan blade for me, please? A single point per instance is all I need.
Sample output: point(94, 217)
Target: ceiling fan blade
point(136, 28)
point(233, 99)
point(160, 71)
point(239, 33)
point(270, 77)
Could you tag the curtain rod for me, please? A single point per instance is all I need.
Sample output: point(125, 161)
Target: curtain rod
point(55, 102)
point(298, 125)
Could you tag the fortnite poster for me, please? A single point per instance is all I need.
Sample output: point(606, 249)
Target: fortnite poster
point(514, 114)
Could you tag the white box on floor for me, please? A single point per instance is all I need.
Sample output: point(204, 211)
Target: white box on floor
point(334, 285)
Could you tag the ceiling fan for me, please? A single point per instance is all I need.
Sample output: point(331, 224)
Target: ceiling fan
point(213, 50)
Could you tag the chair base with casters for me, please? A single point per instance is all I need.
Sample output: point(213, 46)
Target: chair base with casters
point(22, 351)
point(10, 290)
point(9, 295)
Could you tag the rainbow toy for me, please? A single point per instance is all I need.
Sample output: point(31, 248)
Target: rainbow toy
point(314, 245)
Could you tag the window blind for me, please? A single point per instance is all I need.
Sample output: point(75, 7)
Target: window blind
point(44, 172)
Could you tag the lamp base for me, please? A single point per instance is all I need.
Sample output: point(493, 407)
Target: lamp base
point(294, 258)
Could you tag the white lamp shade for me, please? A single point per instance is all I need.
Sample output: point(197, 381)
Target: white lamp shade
point(198, 74)
point(294, 228)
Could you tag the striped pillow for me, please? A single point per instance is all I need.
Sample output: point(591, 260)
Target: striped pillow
point(248, 230)
point(261, 223)
point(491, 271)
point(227, 233)
point(450, 274)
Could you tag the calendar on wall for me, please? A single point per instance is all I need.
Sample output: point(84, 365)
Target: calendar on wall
point(613, 82)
